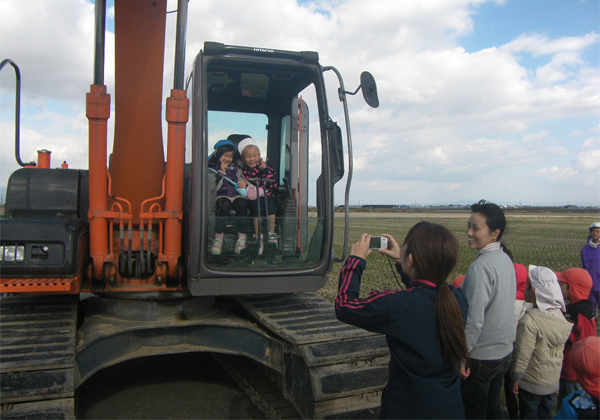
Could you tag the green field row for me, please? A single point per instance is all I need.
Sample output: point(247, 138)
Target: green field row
point(547, 240)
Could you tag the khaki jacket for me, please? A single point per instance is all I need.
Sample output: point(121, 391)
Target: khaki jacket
point(538, 353)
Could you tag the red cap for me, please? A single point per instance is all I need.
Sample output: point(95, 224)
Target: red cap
point(585, 360)
point(521, 273)
point(458, 281)
point(580, 283)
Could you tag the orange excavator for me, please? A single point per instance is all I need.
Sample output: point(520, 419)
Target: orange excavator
point(112, 263)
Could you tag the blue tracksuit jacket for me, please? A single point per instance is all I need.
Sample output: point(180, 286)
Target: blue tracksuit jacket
point(419, 385)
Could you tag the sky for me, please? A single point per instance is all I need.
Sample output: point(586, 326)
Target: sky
point(495, 100)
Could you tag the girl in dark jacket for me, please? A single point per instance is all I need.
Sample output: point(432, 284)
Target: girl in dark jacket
point(424, 324)
point(228, 198)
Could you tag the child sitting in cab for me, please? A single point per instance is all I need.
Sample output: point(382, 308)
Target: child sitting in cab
point(253, 166)
point(228, 197)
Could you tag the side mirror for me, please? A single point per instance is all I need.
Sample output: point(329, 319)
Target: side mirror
point(369, 89)
point(367, 84)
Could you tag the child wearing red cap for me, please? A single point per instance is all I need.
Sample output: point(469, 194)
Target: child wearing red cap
point(585, 360)
point(521, 306)
point(458, 281)
point(575, 284)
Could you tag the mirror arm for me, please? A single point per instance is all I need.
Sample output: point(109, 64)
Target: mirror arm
point(352, 93)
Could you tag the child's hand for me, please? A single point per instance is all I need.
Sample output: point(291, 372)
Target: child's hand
point(263, 164)
point(515, 388)
point(393, 250)
point(242, 184)
point(224, 166)
point(361, 248)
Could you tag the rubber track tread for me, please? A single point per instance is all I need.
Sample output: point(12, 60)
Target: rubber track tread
point(264, 393)
point(37, 362)
point(334, 370)
point(301, 318)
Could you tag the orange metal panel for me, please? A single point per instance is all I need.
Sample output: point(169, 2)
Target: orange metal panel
point(137, 165)
point(48, 285)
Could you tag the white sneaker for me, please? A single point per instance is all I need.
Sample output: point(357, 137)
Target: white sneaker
point(241, 243)
point(217, 244)
point(273, 238)
point(260, 243)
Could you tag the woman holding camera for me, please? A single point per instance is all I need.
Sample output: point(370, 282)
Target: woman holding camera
point(490, 286)
point(424, 324)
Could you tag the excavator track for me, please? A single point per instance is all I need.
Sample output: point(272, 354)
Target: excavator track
point(331, 369)
point(263, 389)
point(37, 359)
point(326, 369)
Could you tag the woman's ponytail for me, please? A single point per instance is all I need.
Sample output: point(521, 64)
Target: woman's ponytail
point(435, 253)
point(450, 328)
point(506, 251)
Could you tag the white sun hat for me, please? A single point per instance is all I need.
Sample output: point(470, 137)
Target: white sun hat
point(248, 141)
point(547, 290)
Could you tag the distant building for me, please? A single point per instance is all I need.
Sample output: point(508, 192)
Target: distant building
point(380, 206)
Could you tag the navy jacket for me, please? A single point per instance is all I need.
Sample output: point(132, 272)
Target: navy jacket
point(419, 385)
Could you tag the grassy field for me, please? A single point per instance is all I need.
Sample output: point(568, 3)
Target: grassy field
point(552, 240)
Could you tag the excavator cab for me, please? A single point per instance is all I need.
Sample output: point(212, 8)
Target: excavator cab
point(279, 98)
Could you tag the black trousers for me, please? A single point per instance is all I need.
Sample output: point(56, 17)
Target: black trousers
point(512, 404)
point(224, 207)
point(481, 390)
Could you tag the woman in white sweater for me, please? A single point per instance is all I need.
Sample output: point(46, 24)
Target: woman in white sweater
point(490, 286)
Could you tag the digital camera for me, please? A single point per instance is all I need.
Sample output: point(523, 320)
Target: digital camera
point(378, 242)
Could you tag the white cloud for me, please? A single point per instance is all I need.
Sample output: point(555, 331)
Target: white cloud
point(540, 44)
point(594, 131)
point(555, 173)
point(591, 142)
point(52, 43)
point(589, 162)
point(451, 124)
point(536, 137)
